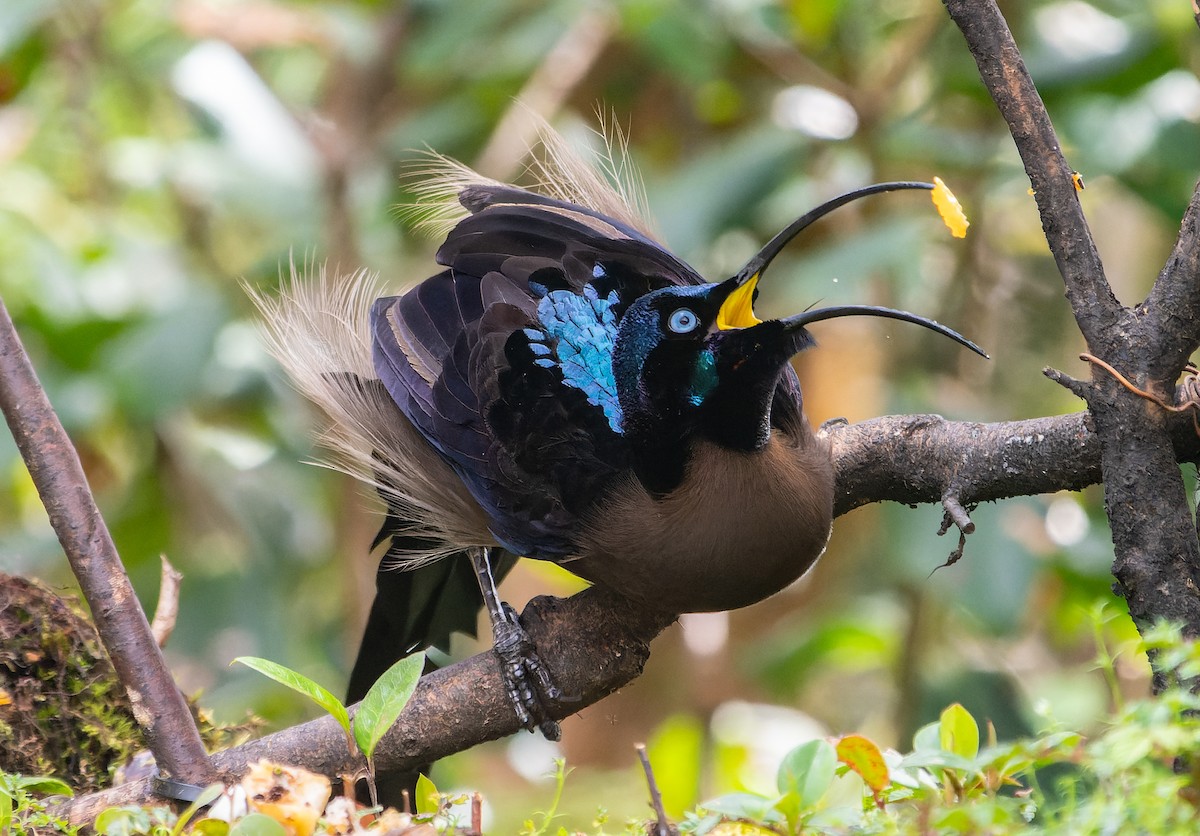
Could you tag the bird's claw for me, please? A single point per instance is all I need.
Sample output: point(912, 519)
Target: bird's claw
point(525, 677)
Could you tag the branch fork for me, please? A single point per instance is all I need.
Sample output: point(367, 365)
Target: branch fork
point(1187, 394)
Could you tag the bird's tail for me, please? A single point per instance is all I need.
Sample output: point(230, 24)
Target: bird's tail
point(319, 331)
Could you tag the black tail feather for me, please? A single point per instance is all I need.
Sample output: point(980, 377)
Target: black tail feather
point(414, 609)
point(417, 608)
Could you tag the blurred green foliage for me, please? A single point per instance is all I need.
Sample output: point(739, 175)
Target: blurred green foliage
point(154, 156)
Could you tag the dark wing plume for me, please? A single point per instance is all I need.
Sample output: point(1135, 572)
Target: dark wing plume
point(467, 357)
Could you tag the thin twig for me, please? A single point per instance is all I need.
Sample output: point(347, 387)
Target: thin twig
point(662, 827)
point(955, 555)
point(157, 704)
point(956, 512)
point(1076, 387)
point(166, 611)
point(476, 814)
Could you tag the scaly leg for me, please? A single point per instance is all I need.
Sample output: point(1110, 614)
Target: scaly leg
point(520, 666)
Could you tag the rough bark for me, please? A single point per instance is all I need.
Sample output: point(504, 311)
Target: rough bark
point(1156, 553)
point(592, 644)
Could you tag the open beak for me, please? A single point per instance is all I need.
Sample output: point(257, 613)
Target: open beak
point(737, 311)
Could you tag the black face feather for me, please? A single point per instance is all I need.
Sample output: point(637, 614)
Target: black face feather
point(680, 377)
point(739, 412)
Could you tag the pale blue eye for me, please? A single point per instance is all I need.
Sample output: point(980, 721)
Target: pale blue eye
point(683, 321)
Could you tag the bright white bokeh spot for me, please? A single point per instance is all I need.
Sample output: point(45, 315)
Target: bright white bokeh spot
point(1080, 31)
point(1066, 522)
point(532, 757)
point(766, 733)
point(814, 111)
point(215, 77)
point(1175, 95)
point(705, 633)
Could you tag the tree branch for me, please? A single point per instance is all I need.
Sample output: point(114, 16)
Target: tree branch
point(1157, 556)
point(594, 643)
point(1173, 306)
point(924, 458)
point(157, 704)
point(1003, 72)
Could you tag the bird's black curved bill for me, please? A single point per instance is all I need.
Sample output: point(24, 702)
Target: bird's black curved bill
point(763, 257)
point(808, 317)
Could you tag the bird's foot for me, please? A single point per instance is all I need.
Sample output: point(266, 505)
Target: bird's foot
point(525, 677)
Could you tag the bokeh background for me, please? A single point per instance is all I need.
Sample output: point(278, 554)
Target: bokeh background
point(156, 155)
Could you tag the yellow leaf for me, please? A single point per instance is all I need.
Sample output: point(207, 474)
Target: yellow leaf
point(950, 209)
point(863, 756)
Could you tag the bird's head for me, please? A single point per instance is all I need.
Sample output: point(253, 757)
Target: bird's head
point(697, 360)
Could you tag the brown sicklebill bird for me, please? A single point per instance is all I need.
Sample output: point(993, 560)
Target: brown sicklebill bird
point(565, 389)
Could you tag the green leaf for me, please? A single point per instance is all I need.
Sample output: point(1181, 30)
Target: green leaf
point(256, 824)
point(744, 805)
point(807, 771)
point(428, 799)
point(300, 683)
point(384, 702)
point(210, 827)
point(122, 821)
point(43, 785)
point(927, 739)
point(6, 809)
point(958, 732)
point(789, 804)
point(206, 797)
point(938, 760)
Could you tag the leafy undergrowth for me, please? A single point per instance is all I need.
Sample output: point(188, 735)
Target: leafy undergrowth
point(1140, 774)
